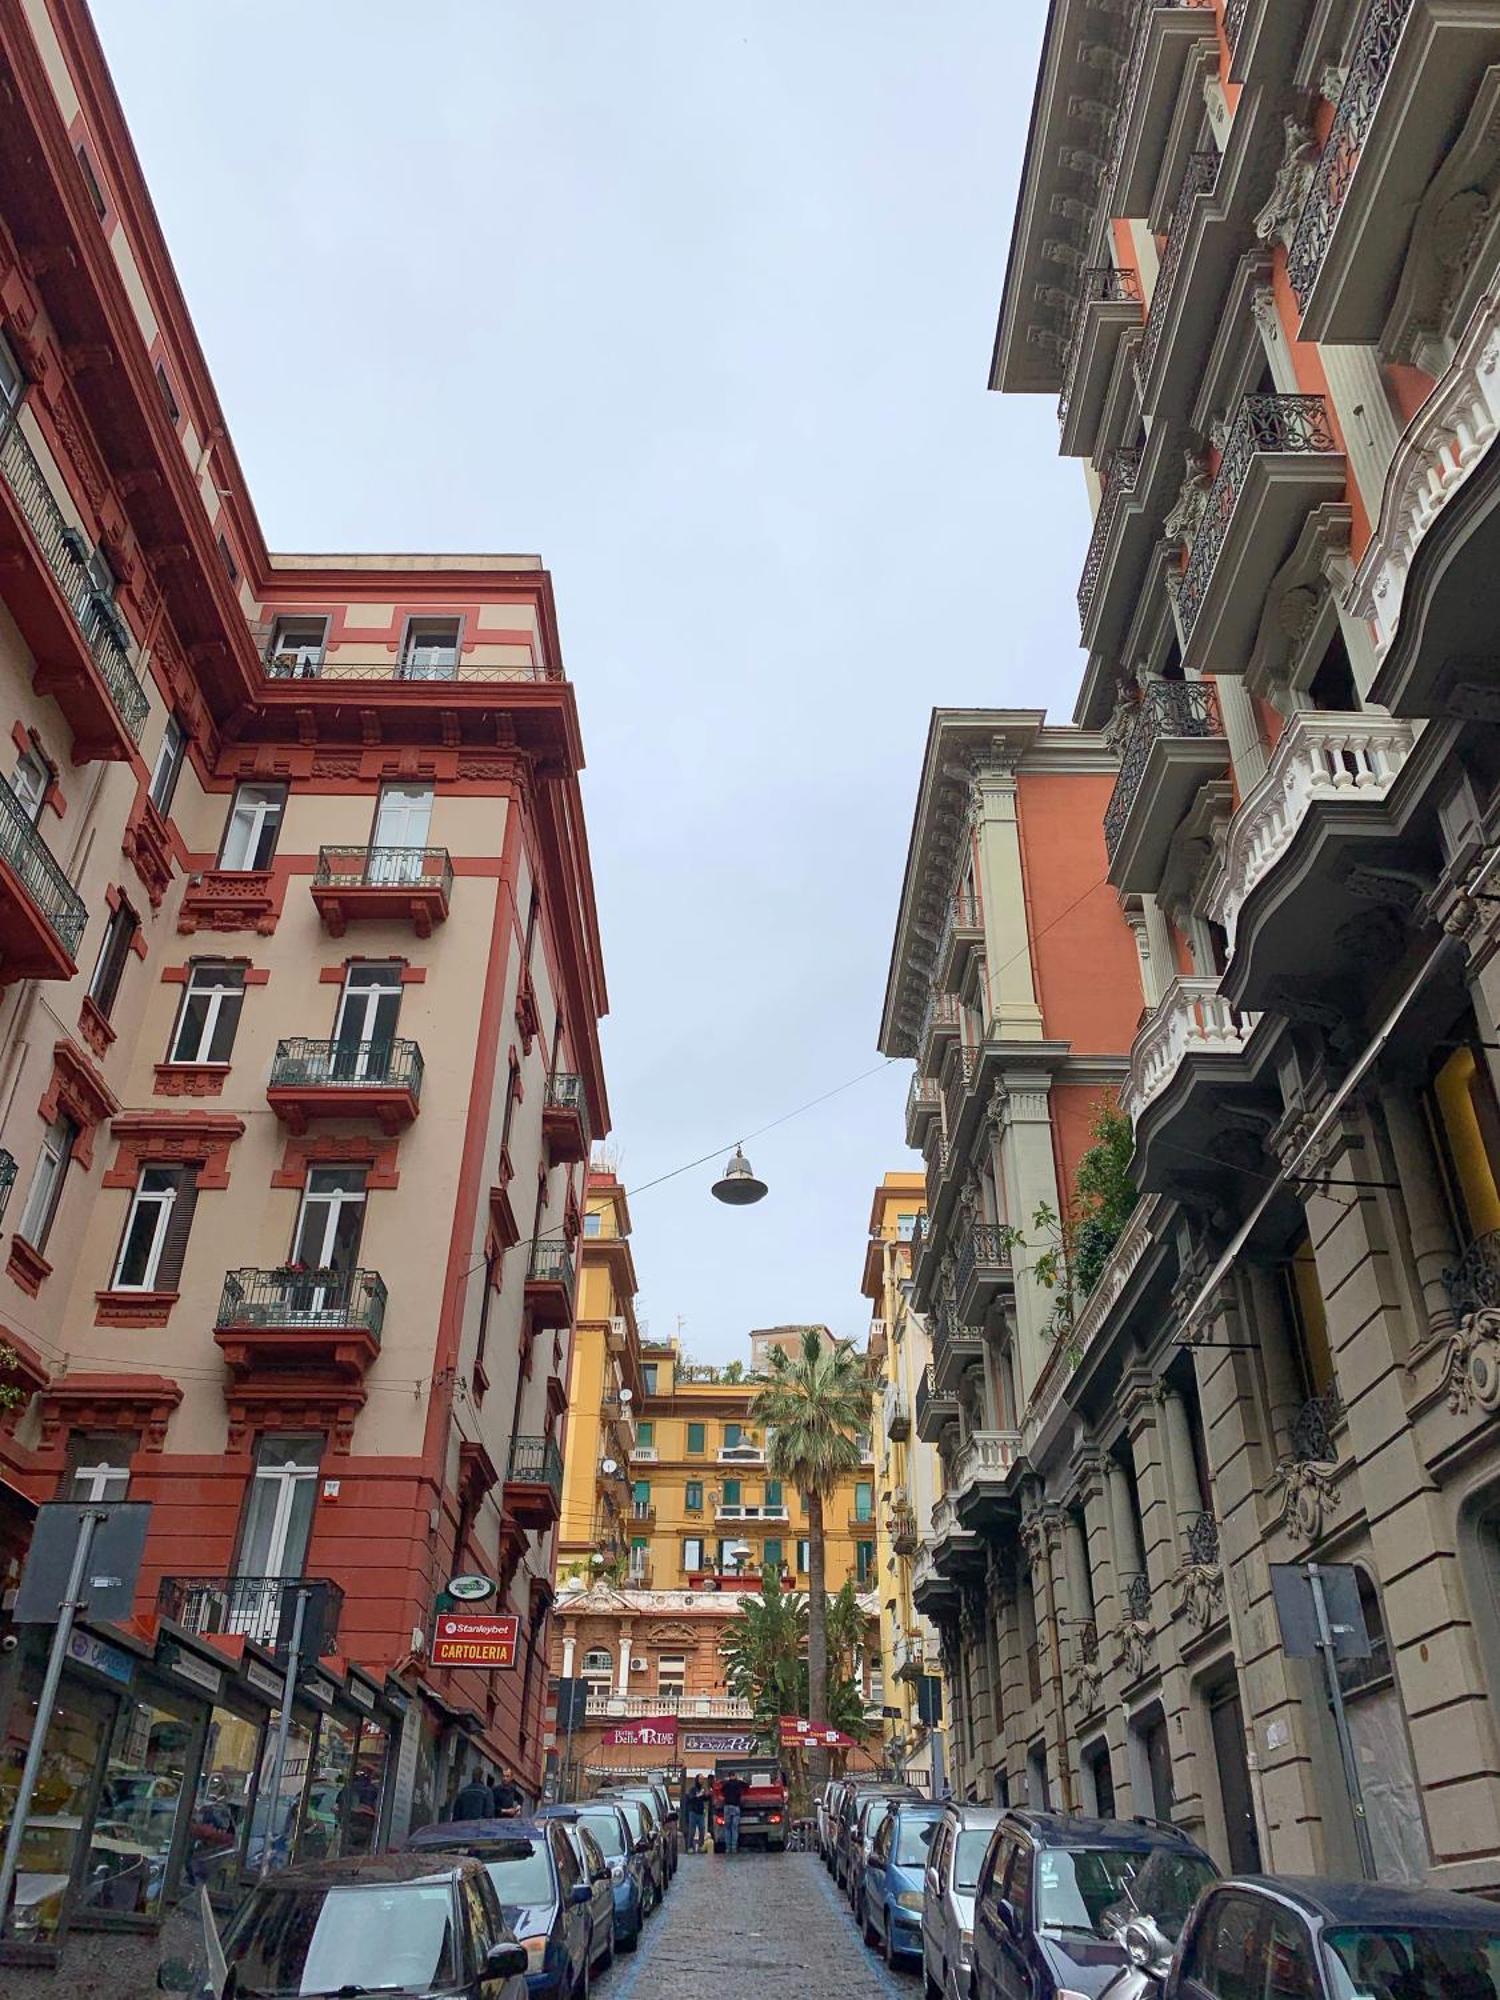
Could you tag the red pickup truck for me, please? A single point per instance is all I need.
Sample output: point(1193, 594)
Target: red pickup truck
point(763, 1805)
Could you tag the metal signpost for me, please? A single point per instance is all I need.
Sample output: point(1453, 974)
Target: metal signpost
point(572, 1706)
point(1318, 1608)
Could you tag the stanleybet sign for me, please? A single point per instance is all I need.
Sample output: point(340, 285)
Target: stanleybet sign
point(467, 1639)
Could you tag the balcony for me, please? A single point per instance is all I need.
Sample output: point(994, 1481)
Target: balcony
point(705, 1707)
point(382, 885)
point(261, 1609)
point(644, 1454)
point(1263, 36)
point(941, 1021)
point(958, 1080)
point(1412, 80)
point(42, 916)
point(1192, 1022)
point(1197, 186)
point(1120, 476)
point(1109, 307)
point(549, 1285)
point(861, 1526)
point(962, 936)
point(731, 1510)
point(982, 1270)
point(980, 1479)
point(313, 1079)
point(922, 1105)
point(905, 1540)
point(956, 1348)
point(533, 1482)
point(565, 1120)
point(1166, 36)
point(1280, 461)
point(740, 1454)
point(957, 1549)
point(1175, 744)
point(643, 1513)
point(896, 1416)
point(71, 626)
point(357, 663)
point(312, 1321)
point(933, 1591)
point(936, 1408)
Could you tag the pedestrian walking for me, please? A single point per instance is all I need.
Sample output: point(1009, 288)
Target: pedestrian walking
point(732, 1791)
point(473, 1800)
point(697, 1814)
point(506, 1794)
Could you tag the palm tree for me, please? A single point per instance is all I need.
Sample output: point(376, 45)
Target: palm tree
point(815, 1407)
point(762, 1651)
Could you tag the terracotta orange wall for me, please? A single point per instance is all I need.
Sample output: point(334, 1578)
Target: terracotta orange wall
point(1312, 381)
point(1074, 1108)
point(1410, 387)
point(1083, 956)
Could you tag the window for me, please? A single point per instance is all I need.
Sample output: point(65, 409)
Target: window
point(99, 1467)
point(640, 1558)
point(693, 1496)
point(109, 968)
point(864, 1500)
point(598, 1664)
point(46, 1182)
point(593, 1223)
point(734, 1436)
point(696, 1437)
point(91, 182)
point(773, 1493)
point(864, 1562)
point(210, 1013)
point(12, 381)
point(278, 1517)
point(803, 1553)
point(1311, 1354)
point(906, 1228)
point(772, 1556)
point(155, 1239)
point(368, 1013)
point(648, 1377)
point(168, 766)
point(640, 1498)
point(331, 1221)
point(731, 1493)
point(430, 649)
point(671, 1675)
point(254, 823)
point(226, 557)
point(645, 1434)
point(297, 648)
point(403, 819)
point(31, 782)
point(734, 1555)
point(692, 1553)
point(168, 400)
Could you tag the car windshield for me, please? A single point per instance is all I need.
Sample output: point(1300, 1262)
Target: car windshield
point(648, 1807)
point(969, 1859)
point(605, 1827)
point(520, 1872)
point(1165, 1887)
point(635, 1818)
point(913, 1837)
point(1389, 1961)
point(376, 1937)
point(872, 1819)
point(1076, 1885)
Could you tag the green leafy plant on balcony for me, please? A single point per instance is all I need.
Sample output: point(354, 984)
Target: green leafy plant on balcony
point(13, 1394)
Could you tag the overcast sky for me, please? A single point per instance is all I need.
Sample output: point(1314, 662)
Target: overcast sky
point(695, 298)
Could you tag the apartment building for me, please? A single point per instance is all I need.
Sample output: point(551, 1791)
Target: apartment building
point(1254, 261)
point(907, 1474)
point(1015, 984)
point(299, 1069)
point(604, 1389)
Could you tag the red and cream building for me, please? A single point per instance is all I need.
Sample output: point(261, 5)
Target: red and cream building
point(300, 980)
point(1255, 261)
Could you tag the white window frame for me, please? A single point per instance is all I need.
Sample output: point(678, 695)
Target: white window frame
point(162, 1199)
point(285, 1477)
point(12, 379)
point(414, 647)
point(164, 772)
point(31, 781)
point(204, 978)
point(671, 1674)
point(306, 655)
point(690, 1543)
point(253, 807)
point(603, 1667)
point(804, 1554)
point(47, 1177)
point(101, 1482)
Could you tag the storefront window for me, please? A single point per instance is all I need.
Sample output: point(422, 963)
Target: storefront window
point(223, 1801)
point(144, 1786)
point(75, 1744)
point(363, 1818)
point(333, 1769)
point(276, 1820)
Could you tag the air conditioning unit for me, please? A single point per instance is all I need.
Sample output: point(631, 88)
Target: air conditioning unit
point(637, 1664)
point(617, 1328)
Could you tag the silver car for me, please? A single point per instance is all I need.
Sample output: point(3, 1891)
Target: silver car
point(954, 1860)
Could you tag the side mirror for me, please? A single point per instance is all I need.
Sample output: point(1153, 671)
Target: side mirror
point(642, 1846)
point(580, 1893)
point(505, 1961)
point(601, 1874)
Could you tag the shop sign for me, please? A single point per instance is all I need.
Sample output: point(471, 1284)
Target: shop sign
point(188, 1667)
point(319, 1688)
point(469, 1640)
point(358, 1693)
point(87, 1651)
point(471, 1589)
point(262, 1678)
point(720, 1743)
point(797, 1729)
point(655, 1730)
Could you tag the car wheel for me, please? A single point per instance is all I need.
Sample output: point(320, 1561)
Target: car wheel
point(930, 1988)
point(872, 1936)
point(890, 1952)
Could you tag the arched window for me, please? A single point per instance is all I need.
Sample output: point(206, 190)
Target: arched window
point(1357, 1677)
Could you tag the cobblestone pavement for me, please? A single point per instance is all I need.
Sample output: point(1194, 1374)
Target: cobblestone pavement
point(754, 1927)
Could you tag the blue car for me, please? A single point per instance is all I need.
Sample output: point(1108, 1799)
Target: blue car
point(627, 1866)
point(891, 1894)
point(542, 1891)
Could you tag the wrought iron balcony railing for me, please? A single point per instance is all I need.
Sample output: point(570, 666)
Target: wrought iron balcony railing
point(64, 551)
point(1378, 39)
point(1138, 43)
point(297, 1297)
point(565, 1093)
point(551, 1262)
point(1200, 177)
point(1119, 481)
point(389, 1065)
point(1136, 1591)
point(1313, 1427)
point(1234, 21)
point(986, 1243)
point(1263, 423)
point(1203, 1541)
point(536, 1461)
point(7, 1178)
point(1168, 709)
point(258, 1608)
point(1473, 1285)
point(30, 859)
point(305, 663)
point(1100, 283)
point(384, 868)
point(1088, 1640)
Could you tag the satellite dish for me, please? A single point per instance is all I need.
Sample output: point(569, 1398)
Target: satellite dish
point(610, 1465)
point(627, 1395)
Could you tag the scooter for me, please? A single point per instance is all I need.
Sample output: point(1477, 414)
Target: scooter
point(1148, 1960)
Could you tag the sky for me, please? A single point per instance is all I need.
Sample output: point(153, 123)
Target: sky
point(696, 299)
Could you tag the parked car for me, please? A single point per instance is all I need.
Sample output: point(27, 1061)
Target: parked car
point(954, 1860)
point(647, 1835)
point(850, 1802)
point(1313, 1939)
point(415, 1925)
point(596, 1873)
point(667, 1818)
point(873, 1813)
point(895, 1871)
point(542, 1891)
point(1047, 1881)
point(606, 1821)
point(826, 1812)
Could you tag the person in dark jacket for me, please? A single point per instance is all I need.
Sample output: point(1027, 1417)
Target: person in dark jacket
point(506, 1793)
point(697, 1814)
point(473, 1800)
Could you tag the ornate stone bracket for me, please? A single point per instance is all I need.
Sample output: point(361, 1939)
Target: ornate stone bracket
point(1198, 1589)
point(1308, 1496)
point(1471, 1366)
point(1135, 1648)
point(1277, 221)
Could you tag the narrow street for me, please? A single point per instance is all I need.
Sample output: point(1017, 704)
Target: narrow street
point(743, 1926)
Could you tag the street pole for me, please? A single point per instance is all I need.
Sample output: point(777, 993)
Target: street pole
point(283, 1731)
point(1329, 1651)
point(569, 1778)
point(46, 1702)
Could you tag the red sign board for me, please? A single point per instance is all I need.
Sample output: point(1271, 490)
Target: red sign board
point(646, 1730)
point(469, 1639)
point(796, 1729)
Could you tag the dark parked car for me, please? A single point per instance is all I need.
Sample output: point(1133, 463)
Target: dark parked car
point(606, 1821)
point(546, 1901)
point(665, 1815)
point(895, 1867)
point(647, 1837)
point(1046, 1884)
point(1312, 1939)
point(850, 1802)
point(416, 1925)
point(596, 1873)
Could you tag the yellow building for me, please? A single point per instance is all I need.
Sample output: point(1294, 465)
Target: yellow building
point(604, 1388)
point(908, 1470)
point(703, 1504)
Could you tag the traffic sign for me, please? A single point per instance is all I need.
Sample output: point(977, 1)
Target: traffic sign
point(472, 1639)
